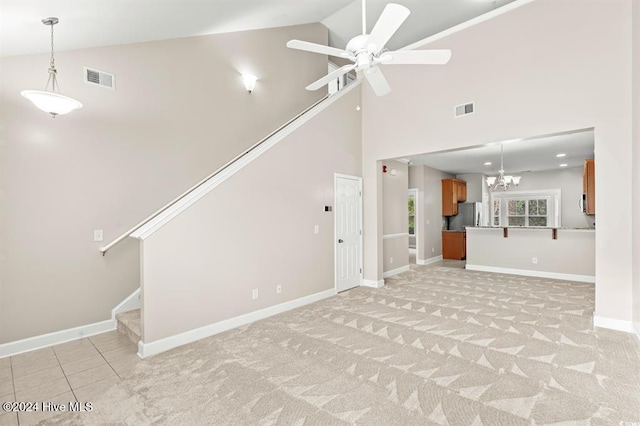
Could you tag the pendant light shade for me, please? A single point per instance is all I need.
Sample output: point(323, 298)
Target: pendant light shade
point(50, 100)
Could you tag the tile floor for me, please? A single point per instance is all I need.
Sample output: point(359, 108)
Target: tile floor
point(76, 371)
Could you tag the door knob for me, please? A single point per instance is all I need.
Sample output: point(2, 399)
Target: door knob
point(340, 241)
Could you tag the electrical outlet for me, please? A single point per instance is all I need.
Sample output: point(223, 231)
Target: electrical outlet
point(391, 260)
point(433, 249)
point(534, 260)
point(254, 295)
point(316, 229)
point(98, 235)
point(278, 289)
point(427, 221)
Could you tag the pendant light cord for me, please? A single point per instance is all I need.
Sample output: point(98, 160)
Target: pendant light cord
point(53, 80)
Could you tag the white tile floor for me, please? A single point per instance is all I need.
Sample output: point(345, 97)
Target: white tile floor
point(74, 371)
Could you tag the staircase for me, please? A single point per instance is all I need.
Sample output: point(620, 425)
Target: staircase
point(129, 324)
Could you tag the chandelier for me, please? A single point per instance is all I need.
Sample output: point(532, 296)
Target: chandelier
point(503, 182)
point(51, 101)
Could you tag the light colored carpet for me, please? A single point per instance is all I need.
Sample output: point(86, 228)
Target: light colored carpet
point(436, 345)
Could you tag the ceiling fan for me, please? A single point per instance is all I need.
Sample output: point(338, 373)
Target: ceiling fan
point(367, 51)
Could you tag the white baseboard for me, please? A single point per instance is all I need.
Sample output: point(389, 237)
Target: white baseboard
point(530, 273)
point(613, 324)
point(429, 261)
point(162, 345)
point(396, 271)
point(131, 303)
point(55, 338)
point(372, 283)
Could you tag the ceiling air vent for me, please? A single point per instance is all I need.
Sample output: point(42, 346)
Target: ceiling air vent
point(101, 78)
point(464, 109)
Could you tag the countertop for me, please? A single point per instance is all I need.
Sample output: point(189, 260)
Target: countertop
point(537, 228)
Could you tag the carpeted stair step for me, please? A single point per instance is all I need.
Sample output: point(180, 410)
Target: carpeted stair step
point(129, 324)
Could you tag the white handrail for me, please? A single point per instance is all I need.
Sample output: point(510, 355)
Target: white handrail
point(106, 248)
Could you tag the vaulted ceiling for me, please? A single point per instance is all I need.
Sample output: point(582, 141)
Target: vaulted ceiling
point(90, 23)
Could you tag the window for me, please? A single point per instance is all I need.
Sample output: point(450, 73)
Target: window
point(412, 214)
point(496, 213)
point(527, 212)
point(526, 208)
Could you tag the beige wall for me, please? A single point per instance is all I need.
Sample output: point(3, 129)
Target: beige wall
point(256, 230)
point(429, 183)
point(179, 111)
point(517, 251)
point(475, 186)
point(534, 80)
point(395, 215)
point(636, 161)
point(569, 181)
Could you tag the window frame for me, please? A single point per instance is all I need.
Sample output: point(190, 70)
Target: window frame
point(554, 203)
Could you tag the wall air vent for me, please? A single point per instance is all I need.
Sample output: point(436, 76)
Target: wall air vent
point(464, 109)
point(100, 78)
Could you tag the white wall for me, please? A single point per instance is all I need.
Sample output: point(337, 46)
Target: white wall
point(534, 80)
point(515, 253)
point(179, 111)
point(256, 230)
point(395, 215)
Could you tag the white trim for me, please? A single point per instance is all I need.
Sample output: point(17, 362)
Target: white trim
point(530, 273)
point(470, 23)
point(161, 219)
point(56, 338)
point(336, 176)
point(131, 303)
point(613, 324)
point(429, 261)
point(396, 271)
point(162, 345)
point(390, 236)
point(372, 283)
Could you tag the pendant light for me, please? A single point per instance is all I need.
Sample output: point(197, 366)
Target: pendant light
point(503, 182)
point(50, 100)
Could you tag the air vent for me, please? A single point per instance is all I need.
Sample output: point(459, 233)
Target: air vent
point(100, 78)
point(464, 109)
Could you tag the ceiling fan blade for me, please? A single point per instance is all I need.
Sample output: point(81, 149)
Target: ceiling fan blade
point(330, 77)
point(392, 17)
point(436, 57)
point(317, 48)
point(377, 81)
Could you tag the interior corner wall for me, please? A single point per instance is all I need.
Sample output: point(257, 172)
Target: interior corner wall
point(395, 222)
point(254, 231)
point(475, 184)
point(636, 161)
point(534, 80)
point(179, 111)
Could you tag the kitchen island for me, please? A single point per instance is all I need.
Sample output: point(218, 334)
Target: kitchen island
point(563, 253)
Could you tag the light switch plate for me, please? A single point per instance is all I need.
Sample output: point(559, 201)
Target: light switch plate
point(98, 235)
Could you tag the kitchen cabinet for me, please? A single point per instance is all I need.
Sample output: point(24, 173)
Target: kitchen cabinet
point(453, 191)
point(454, 245)
point(589, 187)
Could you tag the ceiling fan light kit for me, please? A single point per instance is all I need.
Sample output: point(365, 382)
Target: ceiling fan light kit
point(50, 100)
point(367, 51)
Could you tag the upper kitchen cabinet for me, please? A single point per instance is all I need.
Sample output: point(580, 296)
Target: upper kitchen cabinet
point(589, 187)
point(453, 191)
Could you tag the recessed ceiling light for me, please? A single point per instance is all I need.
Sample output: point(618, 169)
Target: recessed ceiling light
point(562, 154)
point(563, 165)
point(488, 163)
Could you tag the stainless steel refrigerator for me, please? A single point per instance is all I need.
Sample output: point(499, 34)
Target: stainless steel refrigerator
point(469, 214)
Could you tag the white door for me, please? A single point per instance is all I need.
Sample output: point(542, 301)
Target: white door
point(348, 231)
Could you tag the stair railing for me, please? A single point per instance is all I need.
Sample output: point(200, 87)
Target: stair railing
point(124, 235)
